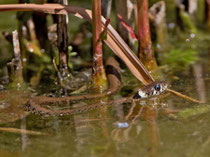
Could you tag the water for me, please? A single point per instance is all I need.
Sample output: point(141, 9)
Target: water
point(170, 126)
point(151, 130)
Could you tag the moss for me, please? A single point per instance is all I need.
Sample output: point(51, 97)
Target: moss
point(195, 111)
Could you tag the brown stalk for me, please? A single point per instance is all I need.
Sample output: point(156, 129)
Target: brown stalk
point(145, 50)
point(40, 22)
point(16, 130)
point(17, 53)
point(99, 76)
point(199, 81)
point(114, 41)
point(62, 40)
point(150, 116)
point(15, 66)
point(157, 14)
point(184, 96)
point(207, 12)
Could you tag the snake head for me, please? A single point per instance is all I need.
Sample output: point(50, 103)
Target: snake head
point(153, 89)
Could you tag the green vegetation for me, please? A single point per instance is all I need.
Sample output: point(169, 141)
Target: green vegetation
point(160, 126)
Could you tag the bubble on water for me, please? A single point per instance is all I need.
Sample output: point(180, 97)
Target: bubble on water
point(24, 59)
point(31, 49)
point(171, 25)
point(11, 113)
point(43, 50)
point(18, 85)
point(158, 46)
point(122, 125)
point(4, 105)
point(192, 35)
point(1, 87)
point(187, 40)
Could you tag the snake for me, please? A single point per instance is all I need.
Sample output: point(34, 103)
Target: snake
point(36, 104)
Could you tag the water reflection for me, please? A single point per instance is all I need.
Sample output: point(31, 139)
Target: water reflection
point(141, 112)
point(200, 84)
point(149, 128)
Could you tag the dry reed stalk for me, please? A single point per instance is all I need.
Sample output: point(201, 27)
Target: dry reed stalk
point(15, 66)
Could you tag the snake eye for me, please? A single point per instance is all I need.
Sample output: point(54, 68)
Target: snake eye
point(157, 87)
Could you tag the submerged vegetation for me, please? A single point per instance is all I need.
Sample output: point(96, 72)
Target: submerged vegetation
point(59, 74)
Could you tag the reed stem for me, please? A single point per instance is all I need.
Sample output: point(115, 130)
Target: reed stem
point(62, 40)
point(99, 77)
point(145, 49)
point(207, 13)
point(157, 16)
point(15, 66)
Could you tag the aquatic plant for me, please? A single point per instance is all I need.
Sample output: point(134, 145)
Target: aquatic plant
point(99, 76)
point(145, 49)
point(178, 59)
point(136, 124)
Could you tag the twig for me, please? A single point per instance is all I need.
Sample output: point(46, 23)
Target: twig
point(184, 96)
point(55, 66)
point(16, 130)
point(15, 66)
point(59, 74)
